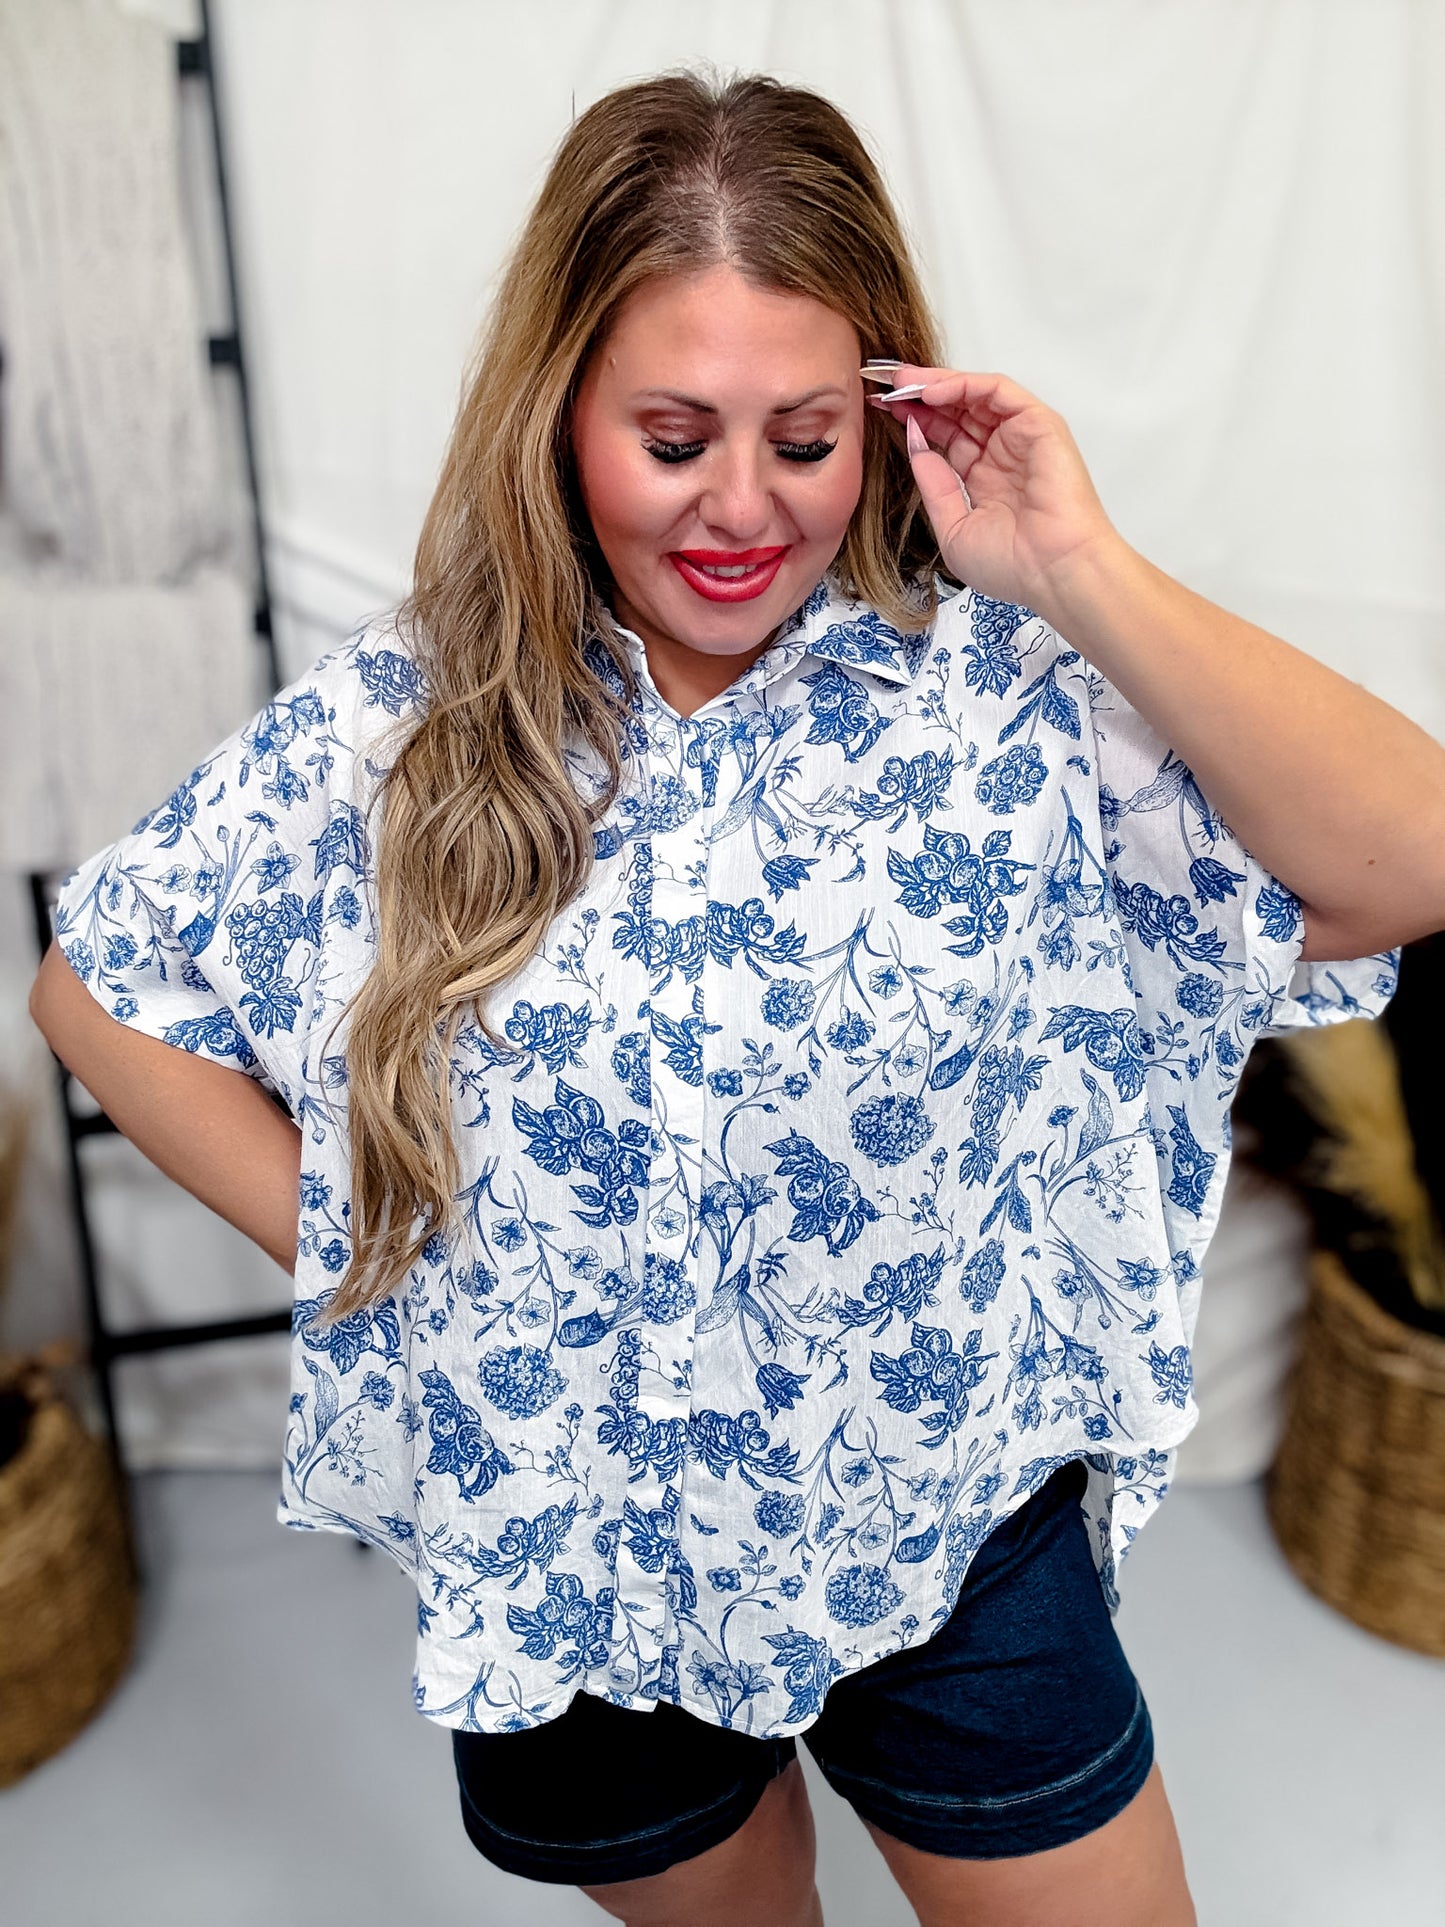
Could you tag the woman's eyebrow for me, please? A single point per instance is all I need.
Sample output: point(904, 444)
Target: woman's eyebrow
point(706, 408)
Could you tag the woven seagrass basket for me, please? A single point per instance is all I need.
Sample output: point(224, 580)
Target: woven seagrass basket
point(1356, 1493)
point(67, 1584)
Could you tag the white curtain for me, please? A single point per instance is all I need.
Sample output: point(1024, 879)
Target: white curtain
point(1211, 233)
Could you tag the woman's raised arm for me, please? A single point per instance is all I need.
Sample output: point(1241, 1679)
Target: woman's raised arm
point(214, 1130)
point(1333, 790)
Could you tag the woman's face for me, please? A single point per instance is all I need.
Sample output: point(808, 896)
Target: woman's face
point(718, 437)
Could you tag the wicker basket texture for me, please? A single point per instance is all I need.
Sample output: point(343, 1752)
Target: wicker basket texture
point(1356, 1494)
point(67, 1585)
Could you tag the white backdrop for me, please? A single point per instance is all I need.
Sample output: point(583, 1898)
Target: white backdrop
point(1211, 233)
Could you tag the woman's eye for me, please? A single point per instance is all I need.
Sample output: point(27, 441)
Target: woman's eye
point(674, 451)
point(663, 451)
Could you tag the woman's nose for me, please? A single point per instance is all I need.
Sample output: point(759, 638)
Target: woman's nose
point(736, 500)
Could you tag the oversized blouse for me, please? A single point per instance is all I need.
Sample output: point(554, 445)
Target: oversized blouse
point(846, 1164)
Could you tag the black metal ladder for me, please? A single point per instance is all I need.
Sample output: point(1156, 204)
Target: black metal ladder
point(195, 59)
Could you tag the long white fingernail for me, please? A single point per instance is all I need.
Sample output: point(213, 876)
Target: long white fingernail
point(904, 394)
point(917, 440)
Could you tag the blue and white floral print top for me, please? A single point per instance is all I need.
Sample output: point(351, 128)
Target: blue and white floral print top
point(857, 1139)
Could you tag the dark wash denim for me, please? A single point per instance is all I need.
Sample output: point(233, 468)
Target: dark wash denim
point(1016, 1727)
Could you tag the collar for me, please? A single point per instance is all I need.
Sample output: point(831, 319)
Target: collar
point(837, 627)
point(845, 630)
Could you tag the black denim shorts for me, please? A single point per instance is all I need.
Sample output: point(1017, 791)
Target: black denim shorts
point(1016, 1727)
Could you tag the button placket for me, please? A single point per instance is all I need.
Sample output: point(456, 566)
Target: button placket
point(680, 871)
point(644, 1585)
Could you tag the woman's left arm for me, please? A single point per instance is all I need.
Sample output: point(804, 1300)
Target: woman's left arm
point(1337, 794)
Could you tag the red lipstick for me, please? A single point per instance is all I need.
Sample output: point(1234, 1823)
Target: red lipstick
point(748, 571)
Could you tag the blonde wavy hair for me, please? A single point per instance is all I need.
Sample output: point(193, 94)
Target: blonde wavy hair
point(484, 837)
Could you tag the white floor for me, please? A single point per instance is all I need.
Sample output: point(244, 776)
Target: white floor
point(261, 1764)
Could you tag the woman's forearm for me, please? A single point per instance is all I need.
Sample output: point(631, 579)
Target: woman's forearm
point(215, 1131)
point(1335, 792)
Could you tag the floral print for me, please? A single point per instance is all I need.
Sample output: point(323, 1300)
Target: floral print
point(841, 1165)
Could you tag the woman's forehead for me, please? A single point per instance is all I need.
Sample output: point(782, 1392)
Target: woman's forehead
point(678, 332)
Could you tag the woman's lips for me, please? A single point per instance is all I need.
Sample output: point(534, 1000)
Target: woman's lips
point(748, 572)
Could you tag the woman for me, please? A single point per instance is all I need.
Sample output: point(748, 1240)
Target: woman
point(758, 972)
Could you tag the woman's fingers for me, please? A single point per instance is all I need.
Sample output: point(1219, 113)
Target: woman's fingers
point(991, 398)
point(939, 485)
point(975, 405)
point(962, 444)
point(1001, 481)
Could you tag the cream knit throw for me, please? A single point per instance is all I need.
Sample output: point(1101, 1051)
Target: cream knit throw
point(125, 652)
point(109, 697)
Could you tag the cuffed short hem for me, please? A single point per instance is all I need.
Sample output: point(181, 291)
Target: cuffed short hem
point(1018, 1823)
point(632, 1856)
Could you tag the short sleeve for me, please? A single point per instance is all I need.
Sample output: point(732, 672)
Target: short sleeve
point(203, 926)
point(1206, 925)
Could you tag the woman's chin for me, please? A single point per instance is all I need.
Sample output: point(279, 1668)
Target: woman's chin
point(727, 628)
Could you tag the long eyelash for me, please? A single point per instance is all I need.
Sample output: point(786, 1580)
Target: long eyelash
point(790, 451)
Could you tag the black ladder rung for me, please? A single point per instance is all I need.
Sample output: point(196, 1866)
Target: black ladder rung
point(164, 1338)
point(191, 58)
point(224, 350)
